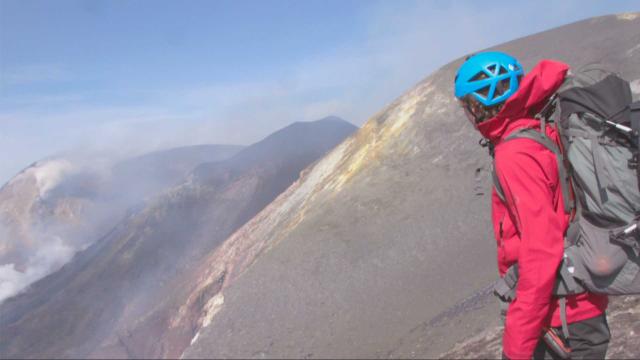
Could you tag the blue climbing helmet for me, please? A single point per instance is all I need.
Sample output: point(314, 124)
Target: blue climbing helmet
point(490, 77)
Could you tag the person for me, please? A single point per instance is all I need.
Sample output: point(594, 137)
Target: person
point(529, 226)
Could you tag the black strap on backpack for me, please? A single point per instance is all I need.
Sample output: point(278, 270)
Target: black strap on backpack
point(545, 141)
point(635, 125)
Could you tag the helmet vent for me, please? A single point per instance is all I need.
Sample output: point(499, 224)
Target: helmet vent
point(502, 70)
point(492, 68)
point(484, 91)
point(502, 87)
point(479, 76)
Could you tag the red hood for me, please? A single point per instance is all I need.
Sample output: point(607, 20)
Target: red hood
point(518, 111)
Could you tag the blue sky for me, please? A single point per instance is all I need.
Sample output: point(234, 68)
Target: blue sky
point(125, 77)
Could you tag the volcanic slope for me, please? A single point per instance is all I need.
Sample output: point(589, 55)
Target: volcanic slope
point(115, 298)
point(60, 205)
point(383, 248)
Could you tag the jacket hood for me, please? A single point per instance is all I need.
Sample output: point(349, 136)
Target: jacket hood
point(518, 111)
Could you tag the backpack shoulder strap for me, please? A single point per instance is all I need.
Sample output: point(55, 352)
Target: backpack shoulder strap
point(545, 141)
point(496, 183)
point(634, 162)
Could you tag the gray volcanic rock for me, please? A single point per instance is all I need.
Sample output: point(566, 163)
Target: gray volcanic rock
point(382, 244)
point(118, 298)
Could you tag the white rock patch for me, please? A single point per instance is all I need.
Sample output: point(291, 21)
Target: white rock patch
point(211, 309)
point(628, 16)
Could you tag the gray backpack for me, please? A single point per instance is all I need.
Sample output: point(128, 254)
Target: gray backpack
point(599, 127)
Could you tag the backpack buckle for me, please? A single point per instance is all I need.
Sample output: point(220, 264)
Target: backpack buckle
point(604, 140)
point(628, 236)
point(505, 287)
point(487, 144)
point(633, 162)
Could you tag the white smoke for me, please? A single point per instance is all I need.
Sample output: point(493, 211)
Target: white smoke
point(43, 240)
point(60, 206)
point(48, 258)
point(49, 174)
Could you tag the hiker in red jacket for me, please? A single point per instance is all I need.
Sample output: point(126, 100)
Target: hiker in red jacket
point(530, 224)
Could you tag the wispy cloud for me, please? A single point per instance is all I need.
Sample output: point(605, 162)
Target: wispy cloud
point(33, 73)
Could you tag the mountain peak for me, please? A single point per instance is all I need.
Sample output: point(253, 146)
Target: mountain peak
point(331, 119)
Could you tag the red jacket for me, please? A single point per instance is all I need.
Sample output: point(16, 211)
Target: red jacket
point(530, 228)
